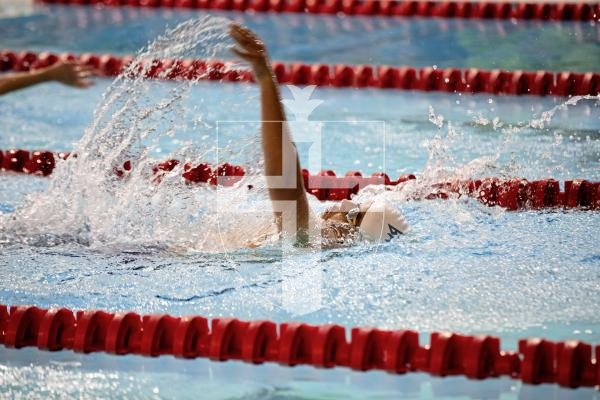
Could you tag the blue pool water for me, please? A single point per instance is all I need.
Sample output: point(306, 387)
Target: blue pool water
point(464, 267)
point(554, 46)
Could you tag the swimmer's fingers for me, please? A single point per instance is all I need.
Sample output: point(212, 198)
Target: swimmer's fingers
point(80, 82)
point(84, 68)
point(250, 57)
point(248, 44)
point(242, 33)
point(247, 39)
point(83, 75)
point(88, 71)
point(252, 50)
point(87, 74)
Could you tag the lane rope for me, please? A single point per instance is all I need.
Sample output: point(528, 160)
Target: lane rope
point(452, 80)
point(562, 11)
point(570, 364)
point(512, 194)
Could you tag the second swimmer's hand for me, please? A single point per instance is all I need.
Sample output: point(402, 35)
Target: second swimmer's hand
point(251, 49)
point(71, 74)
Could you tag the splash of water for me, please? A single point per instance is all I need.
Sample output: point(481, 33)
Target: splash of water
point(441, 166)
point(87, 202)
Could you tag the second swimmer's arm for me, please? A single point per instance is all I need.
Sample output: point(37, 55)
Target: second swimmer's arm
point(277, 144)
point(67, 73)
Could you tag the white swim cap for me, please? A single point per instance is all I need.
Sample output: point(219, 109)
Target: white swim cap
point(381, 221)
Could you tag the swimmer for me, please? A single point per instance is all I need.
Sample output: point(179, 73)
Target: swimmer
point(340, 224)
point(67, 73)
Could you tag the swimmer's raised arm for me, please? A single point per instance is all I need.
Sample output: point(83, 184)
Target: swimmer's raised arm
point(67, 73)
point(277, 144)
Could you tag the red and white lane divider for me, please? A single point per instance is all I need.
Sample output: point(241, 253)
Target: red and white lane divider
point(43, 163)
point(573, 11)
point(453, 80)
point(512, 194)
point(569, 364)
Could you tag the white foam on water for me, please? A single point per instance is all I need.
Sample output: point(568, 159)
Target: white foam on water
point(442, 166)
point(87, 202)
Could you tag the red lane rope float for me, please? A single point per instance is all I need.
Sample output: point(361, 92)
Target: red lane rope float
point(453, 80)
point(42, 163)
point(512, 194)
point(569, 364)
point(444, 9)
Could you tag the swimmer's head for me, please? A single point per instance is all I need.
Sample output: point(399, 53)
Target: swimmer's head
point(376, 220)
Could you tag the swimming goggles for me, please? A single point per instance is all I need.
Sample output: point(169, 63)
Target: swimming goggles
point(352, 216)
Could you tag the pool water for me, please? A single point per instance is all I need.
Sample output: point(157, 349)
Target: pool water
point(554, 46)
point(463, 267)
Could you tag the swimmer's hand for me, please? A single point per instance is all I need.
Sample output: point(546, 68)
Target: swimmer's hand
point(68, 73)
point(251, 49)
point(71, 74)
